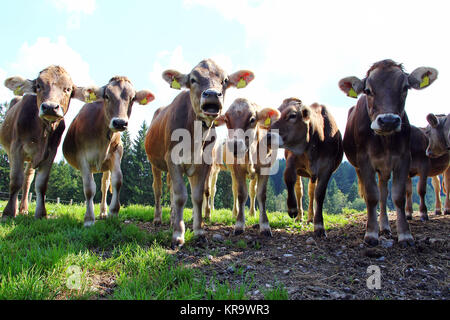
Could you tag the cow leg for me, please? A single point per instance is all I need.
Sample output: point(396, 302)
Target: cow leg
point(409, 202)
point(197, 183)
point(116, 181)
point(106, 180)
point(206, 205)
point(437, 193)
point(385, 228)
point(212, 195)
point(290, 178)
point(321, 189)
point(252, 193)
point(264, 226)
point(179, 198)
point(234, 187)
point(447, 191)
point(422, 190)
point(29, 176)
point(157, 191)
point(240, 185)
point(311, 193)
point(299, 196)
point(41, 183)
point(371, 196)
point(400, 177)
point(16, 177)
point(89, 193)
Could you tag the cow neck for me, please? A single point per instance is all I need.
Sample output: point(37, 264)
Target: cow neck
point(316, 132)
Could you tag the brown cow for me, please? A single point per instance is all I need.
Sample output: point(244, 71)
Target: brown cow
point(377, 139)
point(190, 117)
point(247, 125)
point(32, 130)
point(93, 142)
point(424, 167)
point(313, 136)
point(438, 133)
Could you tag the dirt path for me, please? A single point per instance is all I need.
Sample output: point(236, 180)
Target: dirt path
point(333, 268)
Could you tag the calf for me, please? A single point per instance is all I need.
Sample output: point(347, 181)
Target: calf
point(32, 130)
point(424, 167)
point(377, 139)
point(247, 124)
point(93, 143)
point(312, 135)
point(197, 107)
point(438, 133)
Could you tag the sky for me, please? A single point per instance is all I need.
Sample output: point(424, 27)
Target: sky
point(295, 48)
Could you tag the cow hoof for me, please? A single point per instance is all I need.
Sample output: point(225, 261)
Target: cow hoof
point(252, 213)
point(201, 240)
point(371, 241)
point(386, 233)
point(238, 232)
point(177, 244)
point(157, 222)
point(293, 213)
point(309, 221)
point(88, 224)
point(320, 233)
point(424, 217)
point(438, 212)
point(103, 216)
point(266, 233)
point(406, 243)
point(447, 212)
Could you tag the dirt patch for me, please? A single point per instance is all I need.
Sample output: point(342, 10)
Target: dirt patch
point(332, 268)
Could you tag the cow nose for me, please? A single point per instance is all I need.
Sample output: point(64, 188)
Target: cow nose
point(211, 94)
point(49, 106)
point(389, 122)
point(120, 124)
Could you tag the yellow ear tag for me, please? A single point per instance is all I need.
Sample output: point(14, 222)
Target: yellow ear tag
point(352, 93)
point(92, 97)
point(425, 82)
point(268, 122)
point(216, 123)
point(175, 84)
point(144, 101)
point(18, 91)
point(241, 84)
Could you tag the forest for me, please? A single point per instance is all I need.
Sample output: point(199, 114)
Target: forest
point(66, 184)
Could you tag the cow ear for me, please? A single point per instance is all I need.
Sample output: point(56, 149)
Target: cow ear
point(20, 86)
point(144, 97)
point(88, 94)
point(432, 120)
point(267, 116)
point(422, 77)
point(306, 113)
point(240, 79)
point(352, 86)
point(176, 79)
point(220, 121)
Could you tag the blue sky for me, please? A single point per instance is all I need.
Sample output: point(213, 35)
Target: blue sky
point(295, 48)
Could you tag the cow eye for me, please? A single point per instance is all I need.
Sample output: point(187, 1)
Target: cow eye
point(225, 81)
point(368, 92)
point(193, 81)
point(252, 120)
point(38, 86)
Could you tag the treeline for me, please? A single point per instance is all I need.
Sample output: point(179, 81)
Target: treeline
point(65, 182)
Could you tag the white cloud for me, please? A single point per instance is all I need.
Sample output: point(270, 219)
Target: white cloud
point(316, 43)
point(75, 9)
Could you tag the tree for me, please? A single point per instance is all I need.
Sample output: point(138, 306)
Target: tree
point(335, 200)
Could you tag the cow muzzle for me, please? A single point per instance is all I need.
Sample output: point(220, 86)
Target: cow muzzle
point(118, 125)
point(51, 111)
point(387, 124)
point(211, 103)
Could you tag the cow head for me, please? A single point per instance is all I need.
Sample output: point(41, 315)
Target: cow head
point(385, 87)
point(53, 88)
point(438, 143)
point(118, 97)
point(294, 125)
point(242, 119)
point(207, 84)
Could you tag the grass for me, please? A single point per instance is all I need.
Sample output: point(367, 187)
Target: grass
point(38, 258)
